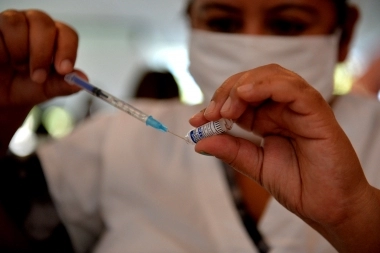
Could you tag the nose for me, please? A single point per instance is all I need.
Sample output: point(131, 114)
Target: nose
point(254, 26)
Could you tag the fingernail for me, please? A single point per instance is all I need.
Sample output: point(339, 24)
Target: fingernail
point(245, 88)
point(226, 105)
point(39, 75)
point(198, 114)
point(66, 66)
point(210, 108)
point(204, 153)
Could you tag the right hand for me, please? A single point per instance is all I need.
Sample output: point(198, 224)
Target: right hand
point(35, 53)
point(306, 161)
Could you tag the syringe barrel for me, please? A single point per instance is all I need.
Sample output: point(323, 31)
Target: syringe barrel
point(209, 129)
point(73, 78)
point(118, 103)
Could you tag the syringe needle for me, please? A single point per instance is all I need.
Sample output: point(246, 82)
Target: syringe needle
point(177, 135)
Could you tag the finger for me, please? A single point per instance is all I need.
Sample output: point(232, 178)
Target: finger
point(225, 97)
point(233, 100)
point(222, 100)
point(271, 82)
point(67, 46)
point(234, 105)
point(290, 90)
point(198, 119)
point(42, 35)
point(14, 30)
point(53, 87)
point(212, 111)
point(291, 107)
point(239, 153)
point(246, 119)
point(57, 86)
point(4, 56)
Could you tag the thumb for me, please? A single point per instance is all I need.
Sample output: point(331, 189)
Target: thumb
point(241, 154)
point(57, 86)
point(31, 93)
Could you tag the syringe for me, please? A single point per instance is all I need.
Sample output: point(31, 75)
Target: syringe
point(73, 78)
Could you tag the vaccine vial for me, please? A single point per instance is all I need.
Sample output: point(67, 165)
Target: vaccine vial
point(209, 129)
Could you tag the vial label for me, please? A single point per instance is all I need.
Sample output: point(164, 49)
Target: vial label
point(209, 129)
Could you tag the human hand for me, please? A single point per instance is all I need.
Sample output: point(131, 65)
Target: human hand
point(306, 162)
point(35, 51)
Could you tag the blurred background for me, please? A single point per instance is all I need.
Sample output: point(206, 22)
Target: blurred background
point(120, 41)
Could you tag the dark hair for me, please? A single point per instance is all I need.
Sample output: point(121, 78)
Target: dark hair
point(159, 85)
point(340, 5)
point(341, 10)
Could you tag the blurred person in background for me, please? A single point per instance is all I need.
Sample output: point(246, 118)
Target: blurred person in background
point(118, 186)
point(157, 85)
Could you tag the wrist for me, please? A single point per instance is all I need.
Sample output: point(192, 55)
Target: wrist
point(360, 230)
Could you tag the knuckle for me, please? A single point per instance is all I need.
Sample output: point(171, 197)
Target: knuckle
point(273, 65)
point(219, 91)
point(67, 29)
point(12, 18)
point(41, 18)
point(276, 67)
point(68, 38)
point(242, 79)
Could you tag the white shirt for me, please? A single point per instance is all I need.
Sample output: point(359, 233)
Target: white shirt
point(120, 186)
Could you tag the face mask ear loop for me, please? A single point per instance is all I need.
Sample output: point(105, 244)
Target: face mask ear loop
point(338, 33)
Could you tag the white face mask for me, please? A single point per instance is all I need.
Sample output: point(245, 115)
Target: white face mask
point(216, 56)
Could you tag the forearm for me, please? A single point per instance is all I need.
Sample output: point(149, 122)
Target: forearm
point(10, 121)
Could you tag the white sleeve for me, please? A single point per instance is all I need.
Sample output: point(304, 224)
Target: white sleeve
point(73, 168)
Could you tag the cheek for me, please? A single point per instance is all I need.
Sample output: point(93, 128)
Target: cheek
point(196, 24)
point(329, 22)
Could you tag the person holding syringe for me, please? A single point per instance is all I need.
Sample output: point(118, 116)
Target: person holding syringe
point(111, 197)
